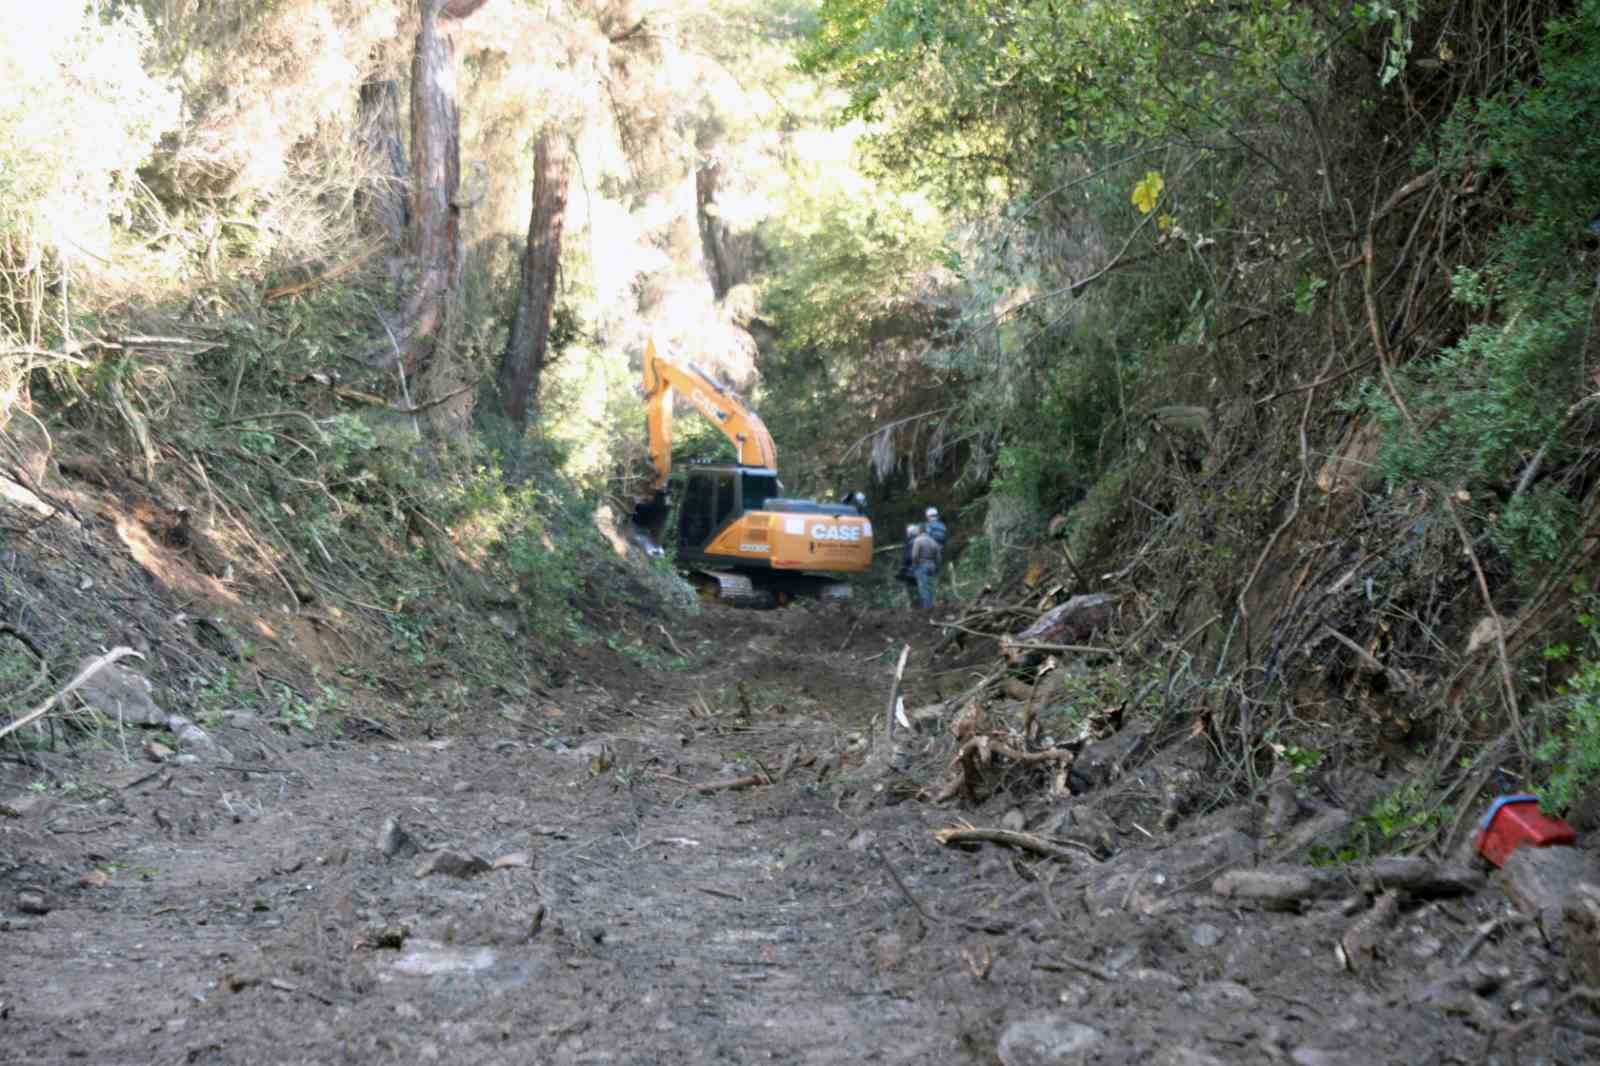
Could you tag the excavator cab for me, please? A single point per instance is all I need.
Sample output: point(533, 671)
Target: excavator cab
point(716, 494)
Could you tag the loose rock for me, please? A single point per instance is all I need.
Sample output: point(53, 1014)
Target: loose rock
point(452, 864)
point(1282, 805)
point(425, 958)
point(1310, 1056)
point(121, 695)
point(1539, 880)
point(26, 805)
point(1324, 828)
point(1048, 1041)
point(1184, 1056)
point(32, 903)
point(1228, 995)
point(1580, 927)
point(197, 740)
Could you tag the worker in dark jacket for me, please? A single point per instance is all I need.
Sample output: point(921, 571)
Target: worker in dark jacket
point(925, 556)
point(934, 527)
point(907, 574)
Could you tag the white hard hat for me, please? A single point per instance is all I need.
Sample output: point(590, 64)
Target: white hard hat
point(933, 512)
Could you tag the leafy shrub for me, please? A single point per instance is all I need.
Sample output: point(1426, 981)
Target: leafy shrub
point(1570, 752)
point(1503, 393)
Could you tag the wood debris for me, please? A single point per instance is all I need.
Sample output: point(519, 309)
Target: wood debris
point(957, 836)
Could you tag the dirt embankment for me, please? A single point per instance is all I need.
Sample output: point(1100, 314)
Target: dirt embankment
point(569, 882)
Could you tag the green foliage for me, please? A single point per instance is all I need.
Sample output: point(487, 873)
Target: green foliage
point(89, 119)
point(1498, 392)
point(1398, 19)
point(1053, 462)
point(299, 712)
point(218, 694)
point(646, 656)
point(852, 296)
point(967, 93)
point(1503, 393)
point(1402, 817)
point(1300, 760)
point(1085, 693)
point(1569, 753)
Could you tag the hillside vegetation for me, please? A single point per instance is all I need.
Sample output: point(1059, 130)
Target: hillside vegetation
point(1274, 321)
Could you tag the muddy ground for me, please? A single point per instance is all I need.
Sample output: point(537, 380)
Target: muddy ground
point(245, 911)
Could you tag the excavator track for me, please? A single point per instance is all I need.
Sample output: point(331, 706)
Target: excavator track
point(735, 589)
point(763, 591)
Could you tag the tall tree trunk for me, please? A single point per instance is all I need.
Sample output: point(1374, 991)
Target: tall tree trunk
point(527, 346)
point(435, 238)
point(380, 130)
point(713, 231)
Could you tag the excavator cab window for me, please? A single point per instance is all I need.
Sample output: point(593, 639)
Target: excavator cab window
point(727, 497)
point(699, 500)
point(758, 489)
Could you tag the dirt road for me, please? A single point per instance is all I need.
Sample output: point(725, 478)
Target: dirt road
point(590, 905)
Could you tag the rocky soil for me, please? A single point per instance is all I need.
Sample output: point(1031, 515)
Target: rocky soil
point(570, 882)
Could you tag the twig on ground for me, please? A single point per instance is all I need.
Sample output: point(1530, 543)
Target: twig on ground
point(722, 893)
point(1050, 900)
point(1486, 932)
point(676, 650)
point(848, 637)
point(1087, 968)
point(894, 875)
point(1011, 838)
point(733, 784)
point(894, 694)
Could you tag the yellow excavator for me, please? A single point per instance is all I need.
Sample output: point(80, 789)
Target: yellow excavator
point(742, 540)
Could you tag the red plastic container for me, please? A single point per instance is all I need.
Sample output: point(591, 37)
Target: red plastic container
point(1516, 822)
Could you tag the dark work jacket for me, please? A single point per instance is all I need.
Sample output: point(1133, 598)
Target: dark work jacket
point(937, 531)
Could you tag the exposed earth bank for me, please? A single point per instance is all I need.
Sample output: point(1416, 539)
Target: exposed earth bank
point(562, 885)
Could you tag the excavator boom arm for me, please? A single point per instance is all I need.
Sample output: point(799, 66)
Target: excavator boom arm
point(664, 375)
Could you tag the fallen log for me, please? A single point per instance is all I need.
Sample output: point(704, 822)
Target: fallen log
point(1067, 624)
point(1419, 876)
point(1271, 887)
point(1287, 885)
